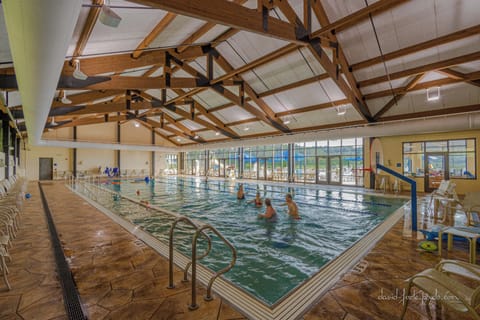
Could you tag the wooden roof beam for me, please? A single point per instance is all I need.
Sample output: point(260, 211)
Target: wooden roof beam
point(424, 85)
point(357, 16)
point(331, 68)
point(143, 83)
point(459, 76)
point(161, 26)
point(398, 97)
point(338, 52)
point(465, 33)
point(232, 15)
point(422, 69)
point(92, 18)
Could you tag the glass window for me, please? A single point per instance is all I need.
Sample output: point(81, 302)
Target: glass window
point(413, 147)
point(436, 146)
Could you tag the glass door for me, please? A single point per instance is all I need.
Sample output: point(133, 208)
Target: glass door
point(436, 170)
point(334, 170)
point(322, 169)
point(261, 168)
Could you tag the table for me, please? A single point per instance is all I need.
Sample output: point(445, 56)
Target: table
point(471, 236)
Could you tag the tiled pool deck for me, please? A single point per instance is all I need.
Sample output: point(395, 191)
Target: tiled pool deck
point(119, 277)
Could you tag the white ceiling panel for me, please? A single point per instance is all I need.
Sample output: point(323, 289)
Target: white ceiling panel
point(245, 47)
point(135, 24)
point(468, 67)
point(176, 32)
point(252, 128)
point(210, 98)
point(233, 114)
point(454, 95)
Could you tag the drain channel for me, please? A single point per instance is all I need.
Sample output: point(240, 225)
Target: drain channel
point(71, 299)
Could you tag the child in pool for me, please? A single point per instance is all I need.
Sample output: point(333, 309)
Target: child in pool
point(257, 201)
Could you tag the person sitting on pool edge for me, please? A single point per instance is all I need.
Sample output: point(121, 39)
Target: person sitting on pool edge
point(240, 193)
point(257, 201)
point(270, 213)
point(292, 207)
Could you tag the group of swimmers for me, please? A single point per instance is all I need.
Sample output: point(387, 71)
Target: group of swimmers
point(270, 213)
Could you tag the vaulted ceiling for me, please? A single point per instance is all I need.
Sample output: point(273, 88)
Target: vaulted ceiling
point(197, 71)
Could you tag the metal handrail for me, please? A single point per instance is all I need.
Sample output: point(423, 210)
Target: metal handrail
point(208, 296)
point(170, 249)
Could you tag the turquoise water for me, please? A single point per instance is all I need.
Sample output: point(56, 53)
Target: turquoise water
point(273, 258)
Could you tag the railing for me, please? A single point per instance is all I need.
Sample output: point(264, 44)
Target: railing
point(199, 230)
point(170, 250)
point(413, 192)
point(208, 296)
point(193, 263)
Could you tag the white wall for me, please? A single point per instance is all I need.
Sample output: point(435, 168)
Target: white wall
point(103, 132)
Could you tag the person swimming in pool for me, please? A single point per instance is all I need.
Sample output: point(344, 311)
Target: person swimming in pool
point(292, 207)
point(240, 193)
point(257, 201)
point(270, 214)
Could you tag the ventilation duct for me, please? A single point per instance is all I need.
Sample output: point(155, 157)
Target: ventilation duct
point(39, 34)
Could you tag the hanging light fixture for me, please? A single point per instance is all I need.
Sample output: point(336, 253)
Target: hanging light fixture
point(53, 123)
point(433, 93)
point(65, 100)
point(136, 124)
point(341, 109)
point(108, 17)
point(78, 74)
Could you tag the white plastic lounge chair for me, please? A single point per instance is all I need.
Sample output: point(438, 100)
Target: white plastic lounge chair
point(459, 268)
point(470, 205)
point(3, 266)
point(445, 192)
point(451, 292)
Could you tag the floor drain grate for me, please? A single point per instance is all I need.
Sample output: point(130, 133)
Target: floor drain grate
point(360, 267)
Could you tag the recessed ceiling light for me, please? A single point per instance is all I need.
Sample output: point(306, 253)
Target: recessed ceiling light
point(178, 139)
point(246, 128)
point(286, 121)
point(196, 136)
point(137, 124)
point(217, 133)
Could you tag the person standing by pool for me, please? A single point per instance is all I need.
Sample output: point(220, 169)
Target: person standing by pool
point(240, 193)
point(292, 207)
point(270, 214)
point(257, 201)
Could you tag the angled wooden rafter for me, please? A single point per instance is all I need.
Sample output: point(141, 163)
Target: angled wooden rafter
point(357, 16)
point(232, 15)
point(329, 66)
point(398, 96)
point(465, 33)
point(161, 26)
point(92, 18)
point(422, 69)
point(459, 76)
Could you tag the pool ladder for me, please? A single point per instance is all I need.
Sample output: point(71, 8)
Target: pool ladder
point(199, 230)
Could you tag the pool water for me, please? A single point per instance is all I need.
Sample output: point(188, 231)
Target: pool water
point(273, 258)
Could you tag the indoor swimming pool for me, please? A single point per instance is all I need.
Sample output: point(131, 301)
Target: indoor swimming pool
point(273, 258)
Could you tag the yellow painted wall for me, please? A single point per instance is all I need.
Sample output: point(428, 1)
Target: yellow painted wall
point(393, 154)
point(29, 160)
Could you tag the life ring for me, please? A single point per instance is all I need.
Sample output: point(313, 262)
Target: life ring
point(428, 246)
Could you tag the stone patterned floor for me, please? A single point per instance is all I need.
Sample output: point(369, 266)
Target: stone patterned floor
point(119, 277)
